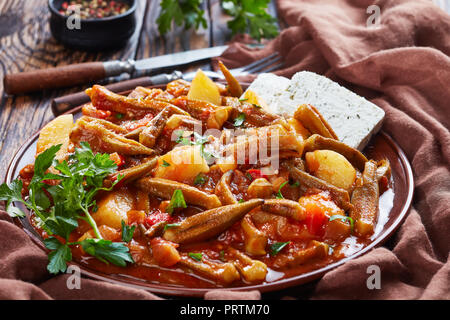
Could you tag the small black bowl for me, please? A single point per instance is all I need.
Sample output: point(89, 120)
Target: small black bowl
point(94, 34)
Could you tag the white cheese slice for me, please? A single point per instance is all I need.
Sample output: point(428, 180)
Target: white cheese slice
point(353, 118)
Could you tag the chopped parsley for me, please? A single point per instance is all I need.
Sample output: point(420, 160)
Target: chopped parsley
point(295, 184)
point(279, 195)
point(343, 219)
point(277, 247)
point(239, 120)
point(196, 256)
point(177, 201)
point(200, 179)
point(171, 225)
point(127, 232)
point(165, 164)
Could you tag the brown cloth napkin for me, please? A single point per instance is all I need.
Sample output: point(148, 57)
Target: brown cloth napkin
point(403, 66)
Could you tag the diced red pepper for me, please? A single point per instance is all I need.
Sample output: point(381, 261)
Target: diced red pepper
point(315, 219)
point(132, 125)
point(117, 158)
point(256, 174)
point(102, 114)
point(157, 217)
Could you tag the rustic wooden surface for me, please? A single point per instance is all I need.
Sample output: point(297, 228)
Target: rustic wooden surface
point(26, 44)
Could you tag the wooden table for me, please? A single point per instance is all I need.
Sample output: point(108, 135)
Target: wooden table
point(26, 44)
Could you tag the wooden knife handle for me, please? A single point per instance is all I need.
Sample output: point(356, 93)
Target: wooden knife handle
point(58, 77)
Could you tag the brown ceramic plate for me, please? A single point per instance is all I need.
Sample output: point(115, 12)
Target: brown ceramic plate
point(394, 206)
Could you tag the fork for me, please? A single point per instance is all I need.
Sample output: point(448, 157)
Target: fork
point(266, 64)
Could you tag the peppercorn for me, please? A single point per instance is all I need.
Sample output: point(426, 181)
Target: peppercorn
point(92, 9)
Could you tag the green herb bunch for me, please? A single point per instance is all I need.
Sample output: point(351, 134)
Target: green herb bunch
point(58, 207)
point(182, 12)
point(248, 16)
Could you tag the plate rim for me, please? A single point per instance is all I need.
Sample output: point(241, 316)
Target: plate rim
point(266, 287)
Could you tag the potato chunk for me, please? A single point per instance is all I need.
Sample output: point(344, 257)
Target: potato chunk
point(260, 188)
point(113, 208)
point(56, 132)
point(165, 252)
point(332, 167)
point(182, 164)
point(203, 88)
point(253, 98)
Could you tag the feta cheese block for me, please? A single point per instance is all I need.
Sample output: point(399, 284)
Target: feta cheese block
point(353, 118)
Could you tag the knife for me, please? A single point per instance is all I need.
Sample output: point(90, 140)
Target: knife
point(82, 73)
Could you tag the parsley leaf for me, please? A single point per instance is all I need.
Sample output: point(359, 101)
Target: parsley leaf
point(343, 219)
point(177, 201)
point(279, 194)
point(277, 247)
point(196, 256)
point(295, 184)
point(107, 251)
point(59, 255)
point(239, 120)
point(250, 16)
point(171, 225)
point(10, 193)
point(183, 140)
point(127, 232)
point(222, 256)
point(165, 164)
point(200, 179)
point(187, 13)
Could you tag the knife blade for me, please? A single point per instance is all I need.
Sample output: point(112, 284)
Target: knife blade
point(179, 58)
point(82, 73)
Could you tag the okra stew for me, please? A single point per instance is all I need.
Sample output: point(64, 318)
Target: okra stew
point(199, 186)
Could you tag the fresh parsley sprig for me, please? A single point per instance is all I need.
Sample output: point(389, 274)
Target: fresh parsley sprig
point(344, 219)
point(177, 201)
point(198, 140)
point(250, 16)
point(181, 12)
point(279, 194)
point(58, 207)
point(127, 232)
point(240, 119)
point(277, 247)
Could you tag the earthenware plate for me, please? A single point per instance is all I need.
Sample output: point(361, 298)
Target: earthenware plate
point(394, 205)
